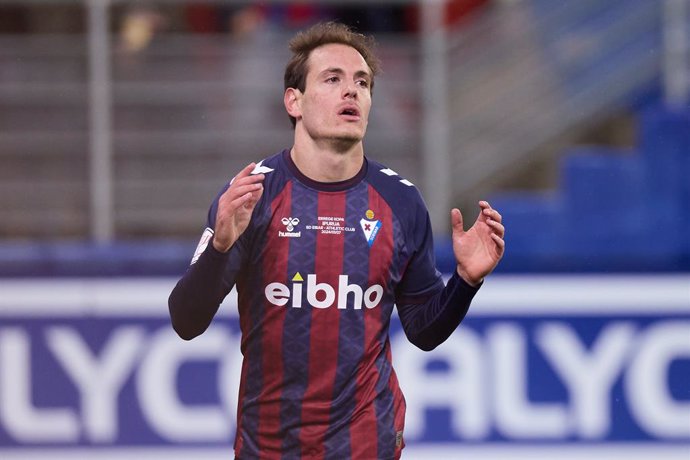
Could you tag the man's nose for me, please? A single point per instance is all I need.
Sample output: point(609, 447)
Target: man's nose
point(349, 91)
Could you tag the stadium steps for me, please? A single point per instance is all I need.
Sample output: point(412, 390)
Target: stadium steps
point(616, 210)
point(535, 73)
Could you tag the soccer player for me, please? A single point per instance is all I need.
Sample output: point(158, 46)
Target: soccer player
point(321, 243)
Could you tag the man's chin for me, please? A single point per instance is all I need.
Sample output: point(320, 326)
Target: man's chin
point(345, 143)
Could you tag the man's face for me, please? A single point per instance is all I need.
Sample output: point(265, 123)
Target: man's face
point(337, 98)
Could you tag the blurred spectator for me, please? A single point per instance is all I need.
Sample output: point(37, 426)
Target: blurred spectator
point(461, 10)
point(457, 11)
point(243, 20)
point(246, 21)
point(296, 15)
point(138, 28)
point(205, 18)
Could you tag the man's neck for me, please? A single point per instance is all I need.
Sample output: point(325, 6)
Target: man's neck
point(326, 163)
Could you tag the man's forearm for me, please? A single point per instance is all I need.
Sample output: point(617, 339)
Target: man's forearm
point(429, 323)
point(195, 299)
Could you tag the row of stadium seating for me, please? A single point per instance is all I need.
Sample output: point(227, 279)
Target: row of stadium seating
point(614, 210)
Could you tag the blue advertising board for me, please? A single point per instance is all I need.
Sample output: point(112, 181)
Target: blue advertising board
point(591, 366)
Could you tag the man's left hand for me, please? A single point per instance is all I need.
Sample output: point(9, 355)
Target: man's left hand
point(478, 250)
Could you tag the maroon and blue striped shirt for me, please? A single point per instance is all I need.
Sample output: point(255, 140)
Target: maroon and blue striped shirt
point(318, 272)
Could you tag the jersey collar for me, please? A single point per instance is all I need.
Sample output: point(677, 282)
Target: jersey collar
point(324, 186)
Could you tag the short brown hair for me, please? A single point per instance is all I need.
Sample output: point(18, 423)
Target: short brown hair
point(318, 35)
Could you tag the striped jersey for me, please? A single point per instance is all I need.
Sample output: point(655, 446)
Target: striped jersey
point(318, 272)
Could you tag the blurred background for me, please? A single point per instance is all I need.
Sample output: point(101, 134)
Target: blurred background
point(120, 121)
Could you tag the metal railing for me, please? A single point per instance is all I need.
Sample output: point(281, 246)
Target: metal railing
point(97, 143)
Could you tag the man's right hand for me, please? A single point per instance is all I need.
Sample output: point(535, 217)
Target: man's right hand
point(235, 207)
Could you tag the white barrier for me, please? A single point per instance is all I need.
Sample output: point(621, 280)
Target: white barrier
point(588, 366)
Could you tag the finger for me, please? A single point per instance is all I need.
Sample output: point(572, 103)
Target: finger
point(256, 196)
point(247, 170)
point(484, 206)
point(500, 229)
point(251, 179)
point(492, 214)
point(487, 210)
point(254, 192)
point(499, 241)
point(241, 201)
point(456, 220)
point(245, 188)
point(228, 199)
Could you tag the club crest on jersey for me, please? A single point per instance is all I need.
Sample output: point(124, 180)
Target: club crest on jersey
point(290, 224)
point(370, 227)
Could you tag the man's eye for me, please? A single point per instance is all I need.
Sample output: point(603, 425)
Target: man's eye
point(363, 83)
point(333, 79)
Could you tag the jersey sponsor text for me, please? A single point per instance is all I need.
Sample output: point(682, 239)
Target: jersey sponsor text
point(323, 295)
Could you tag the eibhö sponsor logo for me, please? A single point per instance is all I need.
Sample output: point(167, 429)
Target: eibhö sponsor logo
point(323, 295)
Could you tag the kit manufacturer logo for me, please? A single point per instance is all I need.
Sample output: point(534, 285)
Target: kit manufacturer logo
point(290, 224)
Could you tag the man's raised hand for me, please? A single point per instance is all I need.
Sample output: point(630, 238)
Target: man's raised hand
point(478, 250)
point(235, 207)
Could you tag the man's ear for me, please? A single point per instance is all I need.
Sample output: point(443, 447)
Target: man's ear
point(292, 100)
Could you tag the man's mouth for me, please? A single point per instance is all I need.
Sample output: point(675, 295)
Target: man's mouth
point(349, 112)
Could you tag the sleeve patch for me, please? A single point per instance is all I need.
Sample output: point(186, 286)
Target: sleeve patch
point(203, 243)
